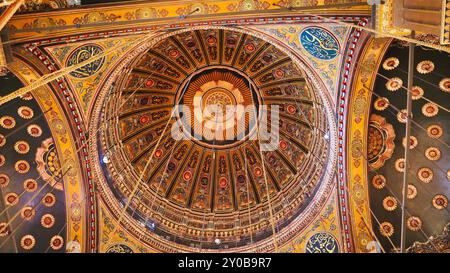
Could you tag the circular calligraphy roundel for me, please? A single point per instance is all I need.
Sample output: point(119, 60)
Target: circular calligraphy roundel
point(320, 43)
point(119, 248)
point(82, 54)
point(322, 243)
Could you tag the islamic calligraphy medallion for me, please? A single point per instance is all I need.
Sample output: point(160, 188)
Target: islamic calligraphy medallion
point(319, 43)
point(322, 243)
point(82, 54)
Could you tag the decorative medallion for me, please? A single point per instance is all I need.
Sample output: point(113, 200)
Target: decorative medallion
point(381, 104)
point(433, 154)
point(283, 145)
point(22, 166)
point(159, 153)
point(27, 213)
point(2, 140)
point(7, 122)
point(430, 110)
point(444, 85)
point(414, 223)
point(4, 180)
point(22, 147)
point(412, 192)
point(381, 141)
point(425, 175)
point(25, 112)
point(27, 242)
point(2, 160)
point(425, 67)
point(48, 164)
point(386, 229)
point(30, 185)
point(435, 131)
point(49, 200)
point(34, 130)
point(400, 165)
point(119, 248)
point(4, 230)
point(187, 176)
point(394, 84)
point(379, 181)
point(56, 242)
point(417, 92)
point(82, 54)
point(319, 42)
point(440, 201)
point(413, 142)
point(47, 220)
point(402, 116)
point(389, 203)
point(391, 63)
point(11, 199)
point(322, 242)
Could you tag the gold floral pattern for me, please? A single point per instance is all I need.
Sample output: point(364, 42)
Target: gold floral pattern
point(412, 192)
point(435, 131)
point(386, 229)
point(394, 84)
point(433, 154)
point(430, 109)
point(390, 203)
point(414, 223)
point(27, 242)
point(440, 201)
point(425, 67)
point(391, 63)
point(381, 141)
point(379, 181)
point(7, 122)
point(425, 175)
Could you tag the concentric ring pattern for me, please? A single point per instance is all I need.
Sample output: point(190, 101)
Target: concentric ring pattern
point(211, 192)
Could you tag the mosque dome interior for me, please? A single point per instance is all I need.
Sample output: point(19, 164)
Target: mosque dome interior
point(225, 126)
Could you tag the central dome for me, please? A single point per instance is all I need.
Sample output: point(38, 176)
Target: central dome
point(217, 98)
point(205, 189)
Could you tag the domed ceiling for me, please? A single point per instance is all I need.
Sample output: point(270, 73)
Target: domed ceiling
point(205, 190)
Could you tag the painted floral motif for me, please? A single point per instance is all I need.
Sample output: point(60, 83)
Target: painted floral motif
point(435, 131)
point(425, 67)
point(413, 142)
point(417, 92)
point(400, 165)
point(386, 229)
point(433, 153)
point(394, 84)
point(414, 223)
point(379, 181)
point(412, 192)
point(425, 175)
point(27, 242)
point(430, 110)
point(48, 164)
point(444, 85)
point(402, 116)
point(381, 141)
point(390, 203)
point(391, 63)
point(440, 201)
point(381, 104)
point(7, 122)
